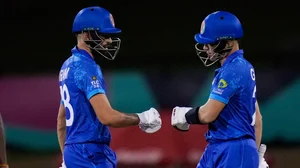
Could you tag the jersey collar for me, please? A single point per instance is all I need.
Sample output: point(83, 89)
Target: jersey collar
point(230, 58)
point(81, 52)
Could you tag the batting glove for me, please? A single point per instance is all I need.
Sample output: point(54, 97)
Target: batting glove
point(178, 120)
point(150, 120)
point(263, 164)
point(261, 152)
point(63, 165)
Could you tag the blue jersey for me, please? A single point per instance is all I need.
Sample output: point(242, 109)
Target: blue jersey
point(234, 84)
point(80, 78)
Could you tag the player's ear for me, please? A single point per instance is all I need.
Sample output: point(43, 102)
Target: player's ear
point(233, 42)
point(229, 43)
point(82, 36)
point(78, 36)
point(85, 36)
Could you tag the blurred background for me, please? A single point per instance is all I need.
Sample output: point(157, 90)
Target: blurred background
point(157, 67)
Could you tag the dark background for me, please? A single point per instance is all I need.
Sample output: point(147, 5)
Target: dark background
point(155, 33)
point(157, 37)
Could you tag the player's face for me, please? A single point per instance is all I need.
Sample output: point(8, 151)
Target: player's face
point(106, 42)
point(210, 51)
point(103, 44)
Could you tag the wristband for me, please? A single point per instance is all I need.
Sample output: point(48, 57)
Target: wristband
point(192, 116)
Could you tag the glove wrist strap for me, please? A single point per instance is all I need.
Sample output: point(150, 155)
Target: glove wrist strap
point(192, 116)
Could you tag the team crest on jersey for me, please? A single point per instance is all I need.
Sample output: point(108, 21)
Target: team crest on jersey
point(112, 20)
point(222, 84)
point(94, 78)
point(202, 29)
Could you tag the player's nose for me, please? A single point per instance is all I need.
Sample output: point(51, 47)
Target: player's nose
point(108, 40)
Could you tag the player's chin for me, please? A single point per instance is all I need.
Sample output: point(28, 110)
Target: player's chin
point(212, 58)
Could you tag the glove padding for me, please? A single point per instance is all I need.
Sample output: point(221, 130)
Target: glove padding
point(150, 120)
point(263, 163)
point(178, 120)
point(261, 152)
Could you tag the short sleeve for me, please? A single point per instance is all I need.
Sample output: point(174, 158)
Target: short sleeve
point(226, 86)
point(90, 80)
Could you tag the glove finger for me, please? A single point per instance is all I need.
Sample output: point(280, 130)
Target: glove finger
point(143, 127)
point(174, 118)
point(152, 130)
point(180, 129)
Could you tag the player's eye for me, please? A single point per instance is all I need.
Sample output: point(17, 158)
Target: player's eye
point(213, 45)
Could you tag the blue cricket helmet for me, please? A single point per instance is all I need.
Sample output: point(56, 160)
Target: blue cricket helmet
point(215, 32)
point(100, 26)
point(220, 25)
point(94, 18)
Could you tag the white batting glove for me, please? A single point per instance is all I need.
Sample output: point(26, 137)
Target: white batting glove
point(63, 165)
point(150, 120)
point(178, 120)
point(261, 152)
point(263, 164)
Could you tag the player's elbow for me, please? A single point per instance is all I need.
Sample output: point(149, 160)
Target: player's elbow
point(258, 116)
point(105, 120)
point(61, 120)
point(61, 124)
point(258, 120)
point(210, 111)
point(206, 118)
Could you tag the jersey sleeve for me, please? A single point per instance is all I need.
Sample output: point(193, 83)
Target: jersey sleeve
point(90, 80)
point(226, 86)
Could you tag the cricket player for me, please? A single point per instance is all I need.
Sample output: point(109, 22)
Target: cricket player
point(3, 157)
point(231, 111)
point(85, 113)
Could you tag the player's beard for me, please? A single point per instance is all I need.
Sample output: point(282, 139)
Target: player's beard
point(108, 49)
point(212, 56)
point(98, 50)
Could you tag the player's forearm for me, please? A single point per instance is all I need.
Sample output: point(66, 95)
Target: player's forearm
point(3, 157)
point(258, 125)
point(61, 133)
point(119, 119)
point(258, 132)
point(204, 115)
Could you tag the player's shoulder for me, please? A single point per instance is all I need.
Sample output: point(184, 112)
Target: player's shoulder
point(240, 65)
point(71, 60)
point(81, 63)
point(74, 63)
point(83, 68)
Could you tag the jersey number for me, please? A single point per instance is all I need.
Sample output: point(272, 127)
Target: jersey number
point(65, 96)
